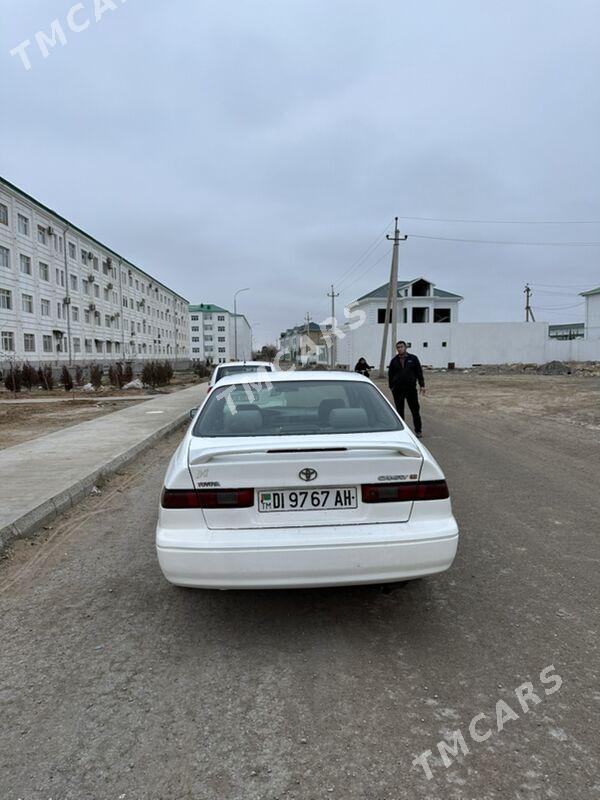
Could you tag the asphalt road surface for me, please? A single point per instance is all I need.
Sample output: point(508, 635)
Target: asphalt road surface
point(114, 684)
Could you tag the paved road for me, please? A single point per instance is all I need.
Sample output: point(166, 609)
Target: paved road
point(115, 685)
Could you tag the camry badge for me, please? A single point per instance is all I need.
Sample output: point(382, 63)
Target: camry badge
point(307, 474)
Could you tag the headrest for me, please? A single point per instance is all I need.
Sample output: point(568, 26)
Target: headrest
point(244, 422)
point(349, 418)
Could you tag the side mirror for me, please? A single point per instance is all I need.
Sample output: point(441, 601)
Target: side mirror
point(193, 412)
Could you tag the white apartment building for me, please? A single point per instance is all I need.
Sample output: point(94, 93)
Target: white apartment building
point(213, 334)
point(65, 297)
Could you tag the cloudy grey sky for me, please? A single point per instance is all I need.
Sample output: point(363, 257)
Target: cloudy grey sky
point(268, 144)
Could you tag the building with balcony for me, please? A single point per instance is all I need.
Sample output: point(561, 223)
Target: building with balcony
point(65, 297)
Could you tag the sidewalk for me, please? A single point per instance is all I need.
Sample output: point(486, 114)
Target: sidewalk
point(41, 478)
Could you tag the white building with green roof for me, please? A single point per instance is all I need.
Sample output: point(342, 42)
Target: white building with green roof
point(213, 334)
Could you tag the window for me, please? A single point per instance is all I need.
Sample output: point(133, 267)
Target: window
point(105, 293)
point(3, 214)
point(221, 318)
point(195, 328)
point(107, 320)
point(42, 235)
point(7, 341)
point(59, 310)
point(29, 342)
point(5, 300)
point(72, 250)
point(221, 328)
point(195, 349)
point(98, 346)
point(86, 287)
point(27, 303)
point(96, 263)
point(195, 339)
point(44, 271)
point(208, 317)
point(84, 257)
point(441, 315)
point(47, 344)
point(444, 344)
point(74, 282)
point(195, 318)
point(222, 350)
point(75, 313)
point(88, 345)
point(96, 291)
point(86, 315)
point(425, 344)
point(5, 257)
point(221, 338)
point(60, 277)
point(381, 315)
point(405, 315)
point(25, 262)
point(76, 344)
point(23, 224)
point(208, 338)
point(420, 314)
point(45, 307)
point(109, 347)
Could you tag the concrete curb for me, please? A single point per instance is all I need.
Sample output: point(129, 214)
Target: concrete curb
point(30, 523)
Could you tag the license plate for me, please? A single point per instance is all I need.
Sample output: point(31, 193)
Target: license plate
point(308, 499)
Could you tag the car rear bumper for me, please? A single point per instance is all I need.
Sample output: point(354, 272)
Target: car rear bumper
point(301, 557)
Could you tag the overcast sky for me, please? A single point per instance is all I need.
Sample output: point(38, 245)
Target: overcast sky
point(268, 144)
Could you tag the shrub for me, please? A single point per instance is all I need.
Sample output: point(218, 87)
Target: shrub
point(46, 378)
point(202, 370)
point(13, 379)
point(78, 375)
point(128, 373)
point(29, 376)
point(115, 375)
point(157, 373)
point(96, 374)
point(65, 379)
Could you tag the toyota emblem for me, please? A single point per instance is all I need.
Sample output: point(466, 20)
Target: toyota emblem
point(308, 474)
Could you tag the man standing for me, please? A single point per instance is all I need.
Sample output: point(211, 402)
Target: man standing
point(404, 373)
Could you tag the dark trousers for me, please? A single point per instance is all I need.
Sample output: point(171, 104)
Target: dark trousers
point(411, 395)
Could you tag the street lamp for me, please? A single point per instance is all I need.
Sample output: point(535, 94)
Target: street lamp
point(235, 349)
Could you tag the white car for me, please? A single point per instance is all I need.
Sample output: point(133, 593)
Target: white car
point(237, 367)
point(299, 480)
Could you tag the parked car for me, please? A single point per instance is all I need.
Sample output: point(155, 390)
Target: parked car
point(235, 368)
point(302, 479)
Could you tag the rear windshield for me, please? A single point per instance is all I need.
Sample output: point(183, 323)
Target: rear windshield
point(295, 407)
point(234, 369)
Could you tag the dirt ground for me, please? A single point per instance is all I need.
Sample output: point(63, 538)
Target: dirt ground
point(570, 399)
point(22, 422)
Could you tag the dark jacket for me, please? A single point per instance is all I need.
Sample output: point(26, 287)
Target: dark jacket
point(407, 377)
point(363, 367)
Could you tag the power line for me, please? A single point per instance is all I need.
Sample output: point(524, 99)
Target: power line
point(373, 246)
point(501, 241)
point(558, 308)
point(509, 221)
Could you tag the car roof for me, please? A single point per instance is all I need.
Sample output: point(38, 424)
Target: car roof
point(295, 375)
point(244, 364)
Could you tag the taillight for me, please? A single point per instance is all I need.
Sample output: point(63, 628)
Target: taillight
point(404, 492)
point(207, 498)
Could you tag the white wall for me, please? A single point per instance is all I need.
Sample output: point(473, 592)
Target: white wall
point(468, 343)
point(592, 317)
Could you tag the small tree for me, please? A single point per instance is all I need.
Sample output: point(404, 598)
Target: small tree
point(46, 378)
point(96, 373)
point(116, 376)
point(29, 376)
point(128, 373)
point(78, 375)
point(149, 376)
point(65, 379)
point(13, 379)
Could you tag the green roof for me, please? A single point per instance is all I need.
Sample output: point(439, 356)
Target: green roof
point(87, 235)
point(208, 308)
point(591, 292)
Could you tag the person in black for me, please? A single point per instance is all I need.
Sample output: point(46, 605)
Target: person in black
point(363, 367)
point(404, 372)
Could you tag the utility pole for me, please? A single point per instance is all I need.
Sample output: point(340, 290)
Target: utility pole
point(307, 321)
point(528, 311)
point(392, 299)
point(333, 348)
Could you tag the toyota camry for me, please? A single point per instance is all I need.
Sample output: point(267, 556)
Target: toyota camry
point(298, 480)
